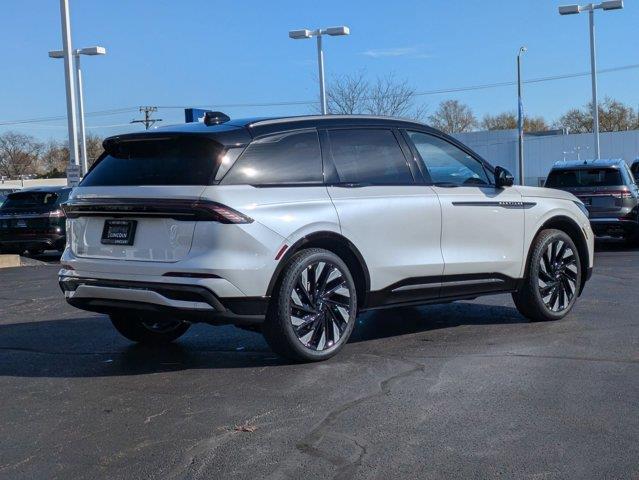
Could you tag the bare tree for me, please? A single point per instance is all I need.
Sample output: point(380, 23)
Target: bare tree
point(19, 154)
point(614, 116)
point(94, 148)
point(508, 120)
point(54, 159)
point(452, 116)
point(354, 94)
point(501, 121)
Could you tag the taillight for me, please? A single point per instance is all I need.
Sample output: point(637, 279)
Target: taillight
point(619, 193)
point(178, 209)
point(56, 213)
point(217, 212)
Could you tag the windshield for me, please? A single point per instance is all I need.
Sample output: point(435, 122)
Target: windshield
point(157, 161)
point(582, 177)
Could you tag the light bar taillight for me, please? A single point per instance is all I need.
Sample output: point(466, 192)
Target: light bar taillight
point(177, 209)
point(607, 193)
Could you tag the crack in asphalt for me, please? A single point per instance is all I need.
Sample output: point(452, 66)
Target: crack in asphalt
point(347, 467)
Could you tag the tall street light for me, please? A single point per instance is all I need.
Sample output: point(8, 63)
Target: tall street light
point(80, 94)
point(68, 77)
point(520, 116)
point(333, 31)
point(590, 8)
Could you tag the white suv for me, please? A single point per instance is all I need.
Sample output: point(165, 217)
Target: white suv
point(295, 225)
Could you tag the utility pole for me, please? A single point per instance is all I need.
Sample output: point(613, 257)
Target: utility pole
point(520, 118)
point(70, 87)
point(147, 121)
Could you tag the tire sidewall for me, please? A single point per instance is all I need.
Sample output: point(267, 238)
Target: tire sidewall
point(297, 264)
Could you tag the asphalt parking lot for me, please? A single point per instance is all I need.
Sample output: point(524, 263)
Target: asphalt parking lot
point(464, 390)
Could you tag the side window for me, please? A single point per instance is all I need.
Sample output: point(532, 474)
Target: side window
point(292, 157)
point(446, 163)
point(369, 156)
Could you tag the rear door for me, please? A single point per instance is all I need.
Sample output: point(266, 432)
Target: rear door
point(128, 206)
point(482, 226)
point(394, 220)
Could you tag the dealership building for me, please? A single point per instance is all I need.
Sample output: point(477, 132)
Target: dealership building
point(542, 150)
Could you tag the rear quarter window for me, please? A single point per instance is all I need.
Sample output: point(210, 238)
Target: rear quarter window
point(286, 158)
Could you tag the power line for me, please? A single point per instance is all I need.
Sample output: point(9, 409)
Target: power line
point(313, 102)
point(114, 111)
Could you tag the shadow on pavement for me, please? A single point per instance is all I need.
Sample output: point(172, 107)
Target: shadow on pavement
point(90, 347)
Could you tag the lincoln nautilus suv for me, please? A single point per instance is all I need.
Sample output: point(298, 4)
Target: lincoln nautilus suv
point(294, 226)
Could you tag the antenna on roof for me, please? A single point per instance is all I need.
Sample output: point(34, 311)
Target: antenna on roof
point(215, 118)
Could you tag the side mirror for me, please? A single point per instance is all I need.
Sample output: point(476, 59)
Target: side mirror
point(503, 178)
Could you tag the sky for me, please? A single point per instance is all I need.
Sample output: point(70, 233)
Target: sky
point(221, 54)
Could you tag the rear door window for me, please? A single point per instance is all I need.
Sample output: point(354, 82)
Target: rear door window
point(286, 158)
point(368, 156)
point(157, 161)
point(584, 177)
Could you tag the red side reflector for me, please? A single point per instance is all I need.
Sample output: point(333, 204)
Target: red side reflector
point(281, 252)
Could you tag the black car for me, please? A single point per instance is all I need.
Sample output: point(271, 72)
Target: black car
point(608, 190)
point(33, 220)
point(634, 168)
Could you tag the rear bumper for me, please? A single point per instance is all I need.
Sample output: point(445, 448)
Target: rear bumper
point(193, 303)
point(28, 240)
point(613, 227)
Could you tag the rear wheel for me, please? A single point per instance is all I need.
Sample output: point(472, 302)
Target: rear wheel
point(148, 329)
point(313, 310)
point(554, 277)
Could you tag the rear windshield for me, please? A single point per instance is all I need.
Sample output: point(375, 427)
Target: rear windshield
point(581, 177)
point(31, 199)
point(157, 161)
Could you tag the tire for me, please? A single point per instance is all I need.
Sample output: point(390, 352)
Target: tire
point(148, 330)
point(35, 251)
point(551, 286)
point(312, 312)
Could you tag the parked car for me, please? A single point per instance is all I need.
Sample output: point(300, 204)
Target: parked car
point(32, 219)
point(634, 169)
point(295, 225)
point(4, 191)
point(609, 191)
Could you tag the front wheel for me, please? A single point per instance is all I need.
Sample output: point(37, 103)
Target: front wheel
point(554, 276)
point(148, 330)
point(313, 309)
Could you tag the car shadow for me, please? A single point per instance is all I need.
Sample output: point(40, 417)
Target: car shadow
point(90, 347)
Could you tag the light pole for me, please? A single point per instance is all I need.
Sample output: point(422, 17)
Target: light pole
point(520, 116)
point(305, 33)
point(590, 8)
point(68, 77)
point(80, 93)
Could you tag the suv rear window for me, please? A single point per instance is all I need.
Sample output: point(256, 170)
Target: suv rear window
point(31, 199)
point(157, 161)
point(582, 177)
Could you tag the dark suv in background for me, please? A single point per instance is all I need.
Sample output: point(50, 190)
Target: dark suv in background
point(608, 190)
point(33, 220)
